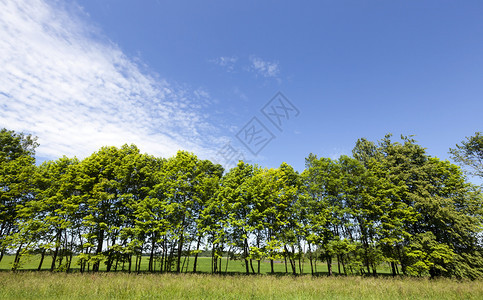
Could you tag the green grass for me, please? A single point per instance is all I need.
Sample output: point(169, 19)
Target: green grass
point(46, 285)
point(204, 265)
point(26, 284)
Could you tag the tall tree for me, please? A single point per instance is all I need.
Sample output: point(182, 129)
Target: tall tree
point(236, 203)
point(101, 182)
point(17, 171)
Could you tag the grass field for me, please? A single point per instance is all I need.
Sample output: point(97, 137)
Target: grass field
point(46, 285)
point(204, 265)
point(26, 284)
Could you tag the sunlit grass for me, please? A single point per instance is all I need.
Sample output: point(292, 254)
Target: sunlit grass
point(204, 265)
point(46, 285)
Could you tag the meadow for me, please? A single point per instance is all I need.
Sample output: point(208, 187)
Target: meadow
point(31, 263)
point(46, 285)
point(29, 284)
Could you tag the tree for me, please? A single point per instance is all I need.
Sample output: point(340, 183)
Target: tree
point(427, 195)
point(103, 185)
point(322, 207)
point(470, 154)
point(17, 173)
point(235, 204)
point(55, 207)
point(273, 217)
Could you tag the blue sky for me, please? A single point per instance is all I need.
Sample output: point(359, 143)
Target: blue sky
point(169, 75)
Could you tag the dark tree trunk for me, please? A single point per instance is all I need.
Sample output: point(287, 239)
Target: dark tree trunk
point(245, 250)
point(180, 251)
point(151, 256)
point(41, 260)
point(139, 263)
point(56, 251)
point(343, 264)
point(393, 267)
point(310, 259)
point(196, 255)
point(227, 259)
point(338, 264)
point(2, 253)
point(291, 260)
point(70, 261)
point(251, 266)
point(95, 266)
point(16, 261)
point(285, 259)
point(403, 263)
point(54, 258)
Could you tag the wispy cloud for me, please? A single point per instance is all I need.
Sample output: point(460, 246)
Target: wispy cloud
point(227, 62)
point(64, 82)
point(264, 68)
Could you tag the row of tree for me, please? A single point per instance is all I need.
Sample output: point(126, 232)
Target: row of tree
point(388, 203)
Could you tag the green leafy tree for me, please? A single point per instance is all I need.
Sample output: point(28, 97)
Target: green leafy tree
point(323, 209)
point(235, 204)
point(17, 176)
point(470, 154)
point(104, 201)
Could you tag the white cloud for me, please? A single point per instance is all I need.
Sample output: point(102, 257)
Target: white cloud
point(263, 67)
point(227, 62)
point(75, 90)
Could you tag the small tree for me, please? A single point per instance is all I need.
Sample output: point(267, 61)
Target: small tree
point(470, 154)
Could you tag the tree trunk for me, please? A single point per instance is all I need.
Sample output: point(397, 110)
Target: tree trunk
point(245, 250)
point(310, 259)
point(329, 265)
point(139, 263)
point(291, 259)
point(16, 261)
point(403, 264)
point(343, 264)
point(5, 232)
point(54, 258)
point(285, 259)
point(301, 270)
point(41, 260)
point(213, 268)
point(338, 263)
point(180, 251)
point(95, 267)
point(2, 253)
point(70, 261)
point(151, 256)
point(196, 255)
point(251, 266)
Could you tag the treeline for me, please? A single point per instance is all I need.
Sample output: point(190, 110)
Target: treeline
point(389, 203)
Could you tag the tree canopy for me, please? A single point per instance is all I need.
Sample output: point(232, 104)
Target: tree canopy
point(389, 203)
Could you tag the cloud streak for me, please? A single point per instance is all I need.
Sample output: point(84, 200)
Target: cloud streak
point(226, 62)
point(64, 82)
point(264, 68)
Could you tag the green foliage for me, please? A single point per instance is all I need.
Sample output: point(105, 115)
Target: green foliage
point(118, 209)
point(470, 154)
point(427, 255)
point(17, 182)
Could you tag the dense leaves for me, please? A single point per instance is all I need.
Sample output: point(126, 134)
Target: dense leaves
point(390, 203)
